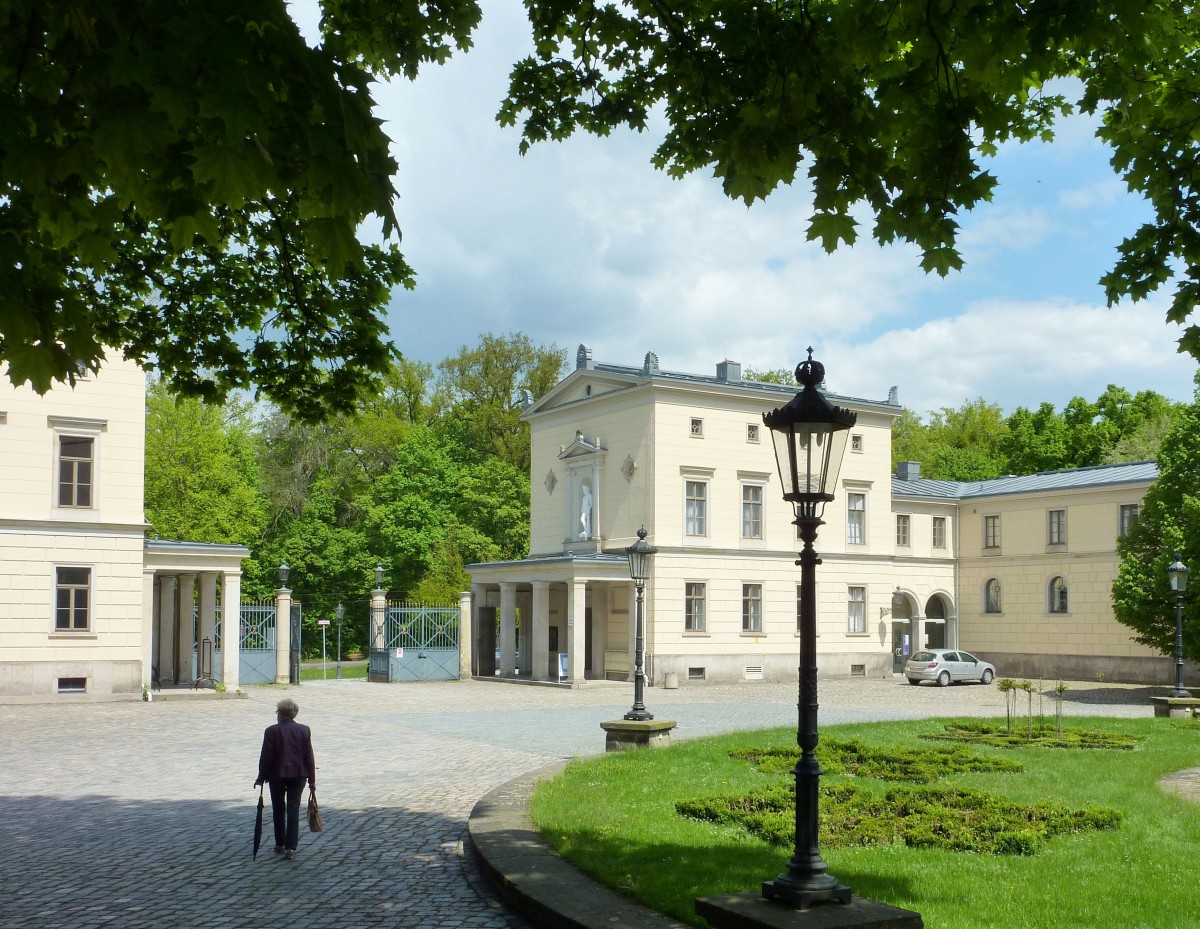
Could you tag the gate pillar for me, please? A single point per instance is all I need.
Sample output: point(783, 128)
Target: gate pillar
point(283, 635)
point(466, 636)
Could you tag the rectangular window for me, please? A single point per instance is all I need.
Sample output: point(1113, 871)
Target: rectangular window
point(1057, 527)
point(856, 518)
point(902, 530)
point(1129, 515)
point(72, 599)
point(939, 532)
point(799, 607)
point(752, 608)
point(693, 607)
point(695, 508)
point(856, 442)
point(752, 432)
point(752, 511)
point(856, 609)
point(698, 428)
point(991, 532)
point(75, 470)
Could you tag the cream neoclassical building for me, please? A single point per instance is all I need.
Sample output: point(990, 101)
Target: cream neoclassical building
point(89, 608)
point(687, 456)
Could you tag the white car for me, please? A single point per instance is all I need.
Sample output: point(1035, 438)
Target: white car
point(944, 665)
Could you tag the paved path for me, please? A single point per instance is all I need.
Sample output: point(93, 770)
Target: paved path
point(140, 815)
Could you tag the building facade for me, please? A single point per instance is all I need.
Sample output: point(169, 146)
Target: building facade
point(89, 608)
point(906, 562)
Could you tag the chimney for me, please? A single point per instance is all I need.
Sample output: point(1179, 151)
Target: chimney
point(908, 470)
point(729, 372)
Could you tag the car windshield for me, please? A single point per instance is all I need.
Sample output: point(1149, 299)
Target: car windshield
point(924, 656)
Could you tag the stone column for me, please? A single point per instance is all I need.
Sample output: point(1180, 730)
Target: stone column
point(508, 628)
point(231, 630)
point(378, 620)
point(600, 599)
point(208, 620)
point(283, 635)
point(187, 627)
point(466, 635)
point(147, 625)
point(165, 649)
point(576, 627)
point(539, 634)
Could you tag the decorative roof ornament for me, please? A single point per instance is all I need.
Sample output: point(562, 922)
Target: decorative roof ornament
point(650, 364)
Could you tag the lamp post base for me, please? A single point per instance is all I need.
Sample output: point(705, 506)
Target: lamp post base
point(751, 911)
point(801, 897)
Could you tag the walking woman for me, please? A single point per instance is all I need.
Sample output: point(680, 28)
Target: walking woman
point(285, 764)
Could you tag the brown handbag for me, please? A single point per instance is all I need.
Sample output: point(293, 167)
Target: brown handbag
point(314, 812)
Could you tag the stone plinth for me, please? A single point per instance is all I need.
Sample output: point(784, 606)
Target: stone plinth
point(1179, 707)
point(751, 911)
point(624, 734)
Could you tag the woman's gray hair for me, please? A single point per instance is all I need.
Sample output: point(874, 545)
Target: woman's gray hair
point(287, 708)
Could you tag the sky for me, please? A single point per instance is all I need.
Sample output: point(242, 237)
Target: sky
point(586, 242)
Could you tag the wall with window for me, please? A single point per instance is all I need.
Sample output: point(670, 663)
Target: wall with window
point(1052, 575)
point(71, 536)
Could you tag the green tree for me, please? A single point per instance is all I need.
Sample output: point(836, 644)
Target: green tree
point(1035, 441)
point(202, 480)
point(479, 393)
point(1169, 522)
point(186, 184)
point(891, 105)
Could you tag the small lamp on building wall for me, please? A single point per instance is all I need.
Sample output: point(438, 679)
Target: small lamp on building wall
point(284, 571)
point(640, 554)
point(897, 603)
point(810, 436)
point(1177, 575)
point(379, 575)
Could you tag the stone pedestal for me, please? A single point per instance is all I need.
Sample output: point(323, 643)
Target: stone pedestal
point(624, 734)
point(751, 911)
point(1178, 707)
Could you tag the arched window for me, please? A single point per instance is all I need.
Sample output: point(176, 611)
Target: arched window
point(991, 596)
point(1058, 595)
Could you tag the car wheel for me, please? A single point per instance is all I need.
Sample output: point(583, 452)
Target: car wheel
point(987, 676)
point(913, 681)
point(944, 679)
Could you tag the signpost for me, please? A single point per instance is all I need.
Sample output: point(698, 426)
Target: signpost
point(322, 623)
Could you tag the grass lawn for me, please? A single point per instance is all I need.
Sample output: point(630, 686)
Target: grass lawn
point(614, 815)
point(349, 672)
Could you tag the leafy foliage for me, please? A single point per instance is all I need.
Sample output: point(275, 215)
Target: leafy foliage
point(892, 105)
point(955, 819)
point(185, 183)
point(1041, 734)
point(1169, 523)
point(857, 759)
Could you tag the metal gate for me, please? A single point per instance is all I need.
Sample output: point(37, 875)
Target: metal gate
point(257, 645)
point(420, 644)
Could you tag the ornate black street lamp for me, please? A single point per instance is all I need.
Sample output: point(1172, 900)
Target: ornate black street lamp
point(640, 553)
point(1177, 574)
point(810, 436)
point(340, 613)
point(379, 575)
point(284, 571)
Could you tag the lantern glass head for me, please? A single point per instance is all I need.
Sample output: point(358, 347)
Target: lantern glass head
point(810, 436)
point(640, 553)
point(284, 571)
point(379, 575)
point(1177, 573)
point(897, 599)
point(340, 612)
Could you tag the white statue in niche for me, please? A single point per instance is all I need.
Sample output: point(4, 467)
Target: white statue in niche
point(585, 512)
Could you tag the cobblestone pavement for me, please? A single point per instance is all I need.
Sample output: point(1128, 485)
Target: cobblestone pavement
point(140, 815)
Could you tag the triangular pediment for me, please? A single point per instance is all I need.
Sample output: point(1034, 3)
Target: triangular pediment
point(580, 386)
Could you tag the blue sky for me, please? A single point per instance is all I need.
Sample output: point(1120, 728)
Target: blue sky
point(584, 241)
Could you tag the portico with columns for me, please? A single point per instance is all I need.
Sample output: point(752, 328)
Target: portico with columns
point(182, 578)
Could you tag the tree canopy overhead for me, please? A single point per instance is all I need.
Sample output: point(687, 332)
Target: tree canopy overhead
point(186, 182)
point(891, 106)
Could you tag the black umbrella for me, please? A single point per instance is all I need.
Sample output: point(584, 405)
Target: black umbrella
point(258, 822)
